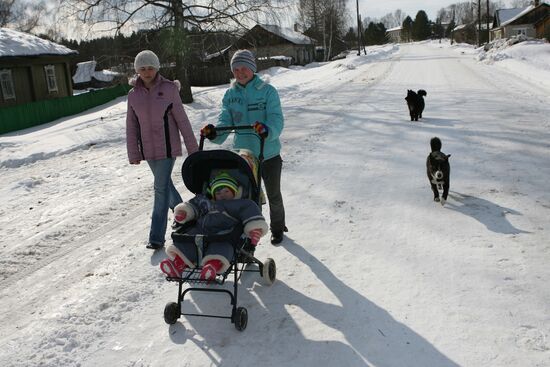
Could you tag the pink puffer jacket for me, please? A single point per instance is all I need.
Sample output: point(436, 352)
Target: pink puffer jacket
point(154, 120)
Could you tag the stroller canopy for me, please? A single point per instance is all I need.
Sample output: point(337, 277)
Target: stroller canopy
point(197, 169)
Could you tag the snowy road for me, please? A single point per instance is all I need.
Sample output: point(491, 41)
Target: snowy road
point(372, 273)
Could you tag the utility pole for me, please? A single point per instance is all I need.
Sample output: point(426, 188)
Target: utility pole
point(359, 38)
point(488, 31)
point(478, 23)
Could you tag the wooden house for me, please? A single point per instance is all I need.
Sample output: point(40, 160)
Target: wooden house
point(394, 34)
point(268, 41)
point(32, 68)
point(468, 33)
point(532, 21)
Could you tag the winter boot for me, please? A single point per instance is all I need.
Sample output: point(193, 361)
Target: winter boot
point(210, 269)
point(277, 236)
point(173, 268)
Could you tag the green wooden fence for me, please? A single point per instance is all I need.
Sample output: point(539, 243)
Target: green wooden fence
point(36, 113)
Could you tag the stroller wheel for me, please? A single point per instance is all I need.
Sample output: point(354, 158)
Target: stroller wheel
point(269, 271)
point(171, 313)
point(240, 318)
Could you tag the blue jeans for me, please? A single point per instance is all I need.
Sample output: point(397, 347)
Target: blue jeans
point(166, 196)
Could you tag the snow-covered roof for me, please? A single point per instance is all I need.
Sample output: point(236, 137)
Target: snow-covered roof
point(216, 54)
point(518, 15)
point(15, 43)
point(504, 15)
point(394, 29)
point(475, 25)
point(86, 70)
point(288, 34)
point(459, 27)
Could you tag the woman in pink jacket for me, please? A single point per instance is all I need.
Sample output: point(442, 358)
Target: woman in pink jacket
point(154, 121)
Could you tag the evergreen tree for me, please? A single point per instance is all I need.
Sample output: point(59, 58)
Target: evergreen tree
point(375, 34)
point(351, 37)
point(450, 28)
point(406, 31)
point(421, 29)
point(438, 30)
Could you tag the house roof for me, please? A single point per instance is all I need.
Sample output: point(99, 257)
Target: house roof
point(504, 15)
point(394, 29)
point(288, 34)
point(15, 43)
point(216, 54)
point(474, 25)
point(518, 15)
point(85, 71)
point(459, 27)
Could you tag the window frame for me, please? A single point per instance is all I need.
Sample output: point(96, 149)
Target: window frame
point(8, 82)
point(51, 79)
point(520, 31)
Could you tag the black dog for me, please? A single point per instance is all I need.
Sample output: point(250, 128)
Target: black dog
point(439, 170)
point(415, 102)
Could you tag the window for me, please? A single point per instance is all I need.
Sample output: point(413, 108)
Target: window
point(6, 81)
point(50, 78)
point(521, 32)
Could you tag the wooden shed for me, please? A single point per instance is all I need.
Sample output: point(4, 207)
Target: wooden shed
point(272, 40)
point(32, 69)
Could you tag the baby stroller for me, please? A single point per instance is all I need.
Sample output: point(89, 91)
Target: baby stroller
point(197, 170)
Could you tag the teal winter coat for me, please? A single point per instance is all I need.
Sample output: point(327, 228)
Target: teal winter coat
point(244, 105)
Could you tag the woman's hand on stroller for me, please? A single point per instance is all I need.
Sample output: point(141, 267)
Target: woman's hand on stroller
point(209, 132)
point(261, 129)
point(255, 236)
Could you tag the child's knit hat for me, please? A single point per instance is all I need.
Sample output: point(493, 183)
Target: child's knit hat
point(146, 58)
point(243, 58)
point(223, 180)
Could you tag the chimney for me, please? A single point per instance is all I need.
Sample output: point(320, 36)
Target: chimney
point(536, 2)
point(296, 27)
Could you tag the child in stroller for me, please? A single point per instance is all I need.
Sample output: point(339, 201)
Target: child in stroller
point(227, 186)
point(222, 211)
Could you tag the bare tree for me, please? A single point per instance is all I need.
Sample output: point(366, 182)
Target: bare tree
point(399, 17)
point(444, 14)
point(324, 20)
point(175, 16)
point(394, 19)
point(22, 15)
point(521, 3)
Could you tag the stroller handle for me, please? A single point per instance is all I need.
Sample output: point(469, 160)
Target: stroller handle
point(233, 128)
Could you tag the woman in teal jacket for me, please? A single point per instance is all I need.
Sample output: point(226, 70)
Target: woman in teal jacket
point(251, 101)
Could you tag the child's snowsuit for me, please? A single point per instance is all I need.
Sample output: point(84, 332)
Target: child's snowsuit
point(211, 217)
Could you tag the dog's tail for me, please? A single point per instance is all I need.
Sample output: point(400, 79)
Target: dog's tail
point(422, 92)
point(435, 144)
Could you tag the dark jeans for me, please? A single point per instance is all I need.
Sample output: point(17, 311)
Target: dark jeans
point(271, 174)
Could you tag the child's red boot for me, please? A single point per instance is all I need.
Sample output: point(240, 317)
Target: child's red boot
point(210, 269)
point(173, 268)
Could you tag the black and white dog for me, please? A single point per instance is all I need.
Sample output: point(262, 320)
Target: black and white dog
point(415, 102)
point(439, 170)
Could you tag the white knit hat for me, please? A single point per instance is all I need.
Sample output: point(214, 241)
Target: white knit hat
point(146, 58)
point(243, 58)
